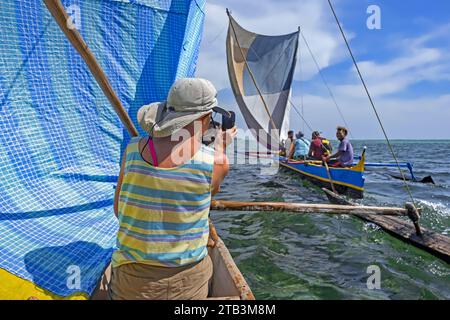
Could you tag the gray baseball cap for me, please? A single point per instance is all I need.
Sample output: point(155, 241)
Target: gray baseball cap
point(189, 99)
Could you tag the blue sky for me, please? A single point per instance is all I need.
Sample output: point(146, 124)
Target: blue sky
point(406, 64)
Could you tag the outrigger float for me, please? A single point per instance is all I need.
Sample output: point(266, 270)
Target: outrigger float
point(389, 219)
point(404, 165)
point(435, 243)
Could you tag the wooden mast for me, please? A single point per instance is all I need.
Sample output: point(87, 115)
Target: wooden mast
point(61, 17)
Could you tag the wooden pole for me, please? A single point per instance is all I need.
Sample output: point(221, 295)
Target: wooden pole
point(59, 14)
point(329, 176)
point(430, 241)
point(306, 208)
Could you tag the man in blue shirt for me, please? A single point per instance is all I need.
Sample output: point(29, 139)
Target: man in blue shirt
point(344, 155)
point(301, 147)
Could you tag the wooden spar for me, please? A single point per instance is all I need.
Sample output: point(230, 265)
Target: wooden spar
point(430, 241)
point(59, 14)
point(329, 177)
point(305, 208)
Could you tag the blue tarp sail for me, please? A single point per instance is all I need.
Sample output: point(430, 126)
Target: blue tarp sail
point(60, 140)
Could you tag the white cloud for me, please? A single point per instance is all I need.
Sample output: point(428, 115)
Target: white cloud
point(269, 17)
point(416, 61)
point(423, 118)
point(413, 60)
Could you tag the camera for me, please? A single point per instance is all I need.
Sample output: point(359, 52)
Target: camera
point(228, 122)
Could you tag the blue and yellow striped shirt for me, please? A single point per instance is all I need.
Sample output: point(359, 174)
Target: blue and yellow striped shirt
point(163, 212)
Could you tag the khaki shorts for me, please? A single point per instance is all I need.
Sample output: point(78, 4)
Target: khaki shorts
point(137, 281)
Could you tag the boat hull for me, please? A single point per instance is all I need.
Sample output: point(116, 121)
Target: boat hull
point(347, 181)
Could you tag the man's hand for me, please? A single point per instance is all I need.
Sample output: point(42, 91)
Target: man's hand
point(225, 138)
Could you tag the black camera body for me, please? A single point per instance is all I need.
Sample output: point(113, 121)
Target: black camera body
point(228, 122)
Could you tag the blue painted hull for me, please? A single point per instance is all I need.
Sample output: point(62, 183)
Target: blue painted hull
point(349, 181)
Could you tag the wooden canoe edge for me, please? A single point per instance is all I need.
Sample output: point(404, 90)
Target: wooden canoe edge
point(431, 242)
point(222, 259)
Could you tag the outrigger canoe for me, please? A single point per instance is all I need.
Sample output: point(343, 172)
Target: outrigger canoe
point(262, 93)
point(227, 282)
point(346, 181)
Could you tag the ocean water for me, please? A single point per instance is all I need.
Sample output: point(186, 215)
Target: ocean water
point(290, 256)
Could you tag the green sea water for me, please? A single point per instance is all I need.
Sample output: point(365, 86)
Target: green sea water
point(290, 256)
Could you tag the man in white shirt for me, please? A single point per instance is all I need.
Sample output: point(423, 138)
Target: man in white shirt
point(289, 143)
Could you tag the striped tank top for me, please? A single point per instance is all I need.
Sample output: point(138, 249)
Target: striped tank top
point(163, 212)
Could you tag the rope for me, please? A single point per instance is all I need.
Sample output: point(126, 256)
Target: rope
point(319, 69)
point(300, 115)
point(391, 148)
point(217, 36)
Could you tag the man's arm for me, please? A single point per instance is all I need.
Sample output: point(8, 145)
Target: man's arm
point(119, 186)
point(220, 170)
point(336, 155)
point(342, 147)
point(291, 151)
point(221, 162)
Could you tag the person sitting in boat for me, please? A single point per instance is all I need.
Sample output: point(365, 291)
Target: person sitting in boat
point(283, 148)
point(344, 156)
point(301, 147)
point(163, 197)
point(289, 144)
point(319, 148)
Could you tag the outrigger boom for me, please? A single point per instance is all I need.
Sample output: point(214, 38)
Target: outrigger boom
point(427, 240)
point(406, 165)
